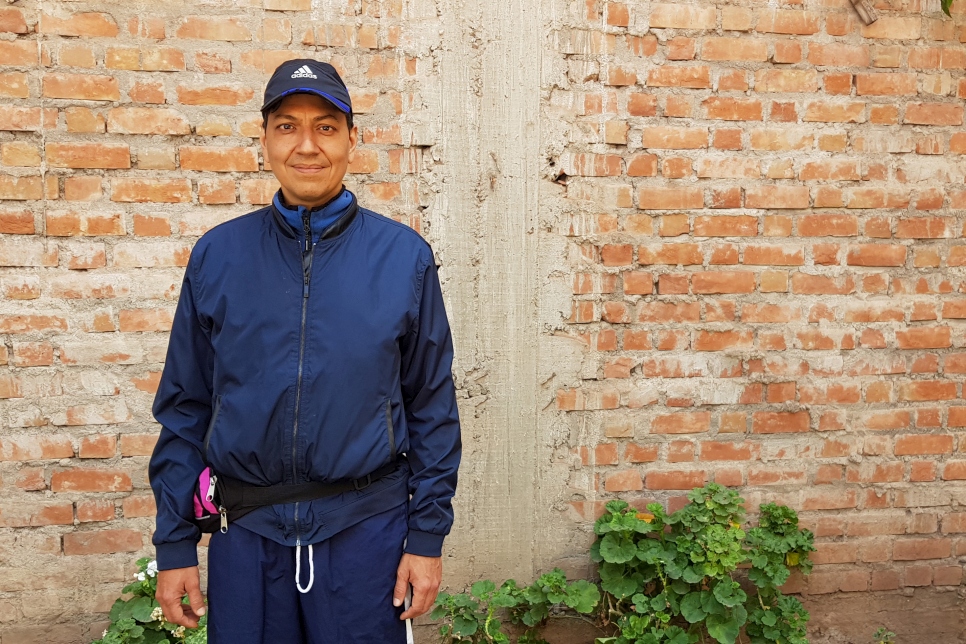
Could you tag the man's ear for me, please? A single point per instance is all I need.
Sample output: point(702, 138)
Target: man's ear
point(353, 141)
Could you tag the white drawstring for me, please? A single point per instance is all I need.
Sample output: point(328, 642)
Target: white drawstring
point(298, 569)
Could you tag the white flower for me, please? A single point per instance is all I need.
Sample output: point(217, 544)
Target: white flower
point(152, 566)
point(157, 614)
point(178, 632)
point(104, 634)
point(140, 576)
point(151, 573)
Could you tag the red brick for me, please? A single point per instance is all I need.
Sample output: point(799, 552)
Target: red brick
point(729, 451)
point(213, 159)
point(670, 198)
point(838, 55)
point(89, 511)
point(35, 448)
point(98, 446)
point(88, 480)
point(783, 21)
point(920, 549)
point(924, 338)
point(212, 28)
point(138, 506)
point(88, 155)
point(786, 80)
point(678, 16)
point(723, 282)
point(19, 53)
point(592, 165)
point(894, 28)
point(777, 197)
point(675, 138)
point(780, 422)
point(682, 423)
point(102, 542)
point(626, 481)
point(733, 109)
point(719, 49)
point(151, 190)
point(919, 444)
point(675, 480)
point(934, 114)
point(723, 340)
point(87, 87)
point(640, 453)
point(642, 104)
point(90, 25)
point(885, 84)
point(32, 515)
point(147, 120)
point(693, 77)
point(12, 21)
point(876, 255)
point(213, 95)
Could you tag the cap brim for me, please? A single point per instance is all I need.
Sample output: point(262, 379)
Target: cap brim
point(342, 107)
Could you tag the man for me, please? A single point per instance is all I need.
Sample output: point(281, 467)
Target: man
point(310, 349)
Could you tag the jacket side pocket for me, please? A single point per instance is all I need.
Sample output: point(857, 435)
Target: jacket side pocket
point(389, 429)
point(211, 425)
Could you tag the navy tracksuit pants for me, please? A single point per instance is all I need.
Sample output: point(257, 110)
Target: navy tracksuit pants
point(253, 599)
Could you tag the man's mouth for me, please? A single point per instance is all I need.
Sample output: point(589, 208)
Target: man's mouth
point(308, 169)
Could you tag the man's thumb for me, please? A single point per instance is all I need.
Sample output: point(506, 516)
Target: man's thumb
point(197, 601)
point(399, 592)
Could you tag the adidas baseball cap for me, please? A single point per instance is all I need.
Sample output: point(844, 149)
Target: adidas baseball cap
point(306, 76)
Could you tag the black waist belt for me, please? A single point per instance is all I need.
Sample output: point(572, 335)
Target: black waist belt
point(236, 498)
point(237, 494)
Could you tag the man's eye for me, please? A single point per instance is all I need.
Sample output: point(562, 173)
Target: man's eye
point(327, 128)
point(285, 126)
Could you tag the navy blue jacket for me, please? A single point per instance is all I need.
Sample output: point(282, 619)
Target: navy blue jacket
point(287, 365)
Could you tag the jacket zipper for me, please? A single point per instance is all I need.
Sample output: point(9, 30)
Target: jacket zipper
point(306, 277)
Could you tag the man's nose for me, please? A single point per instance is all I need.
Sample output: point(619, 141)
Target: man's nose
point(307, 144)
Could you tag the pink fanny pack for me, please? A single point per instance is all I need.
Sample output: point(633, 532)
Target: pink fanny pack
point(208, 516)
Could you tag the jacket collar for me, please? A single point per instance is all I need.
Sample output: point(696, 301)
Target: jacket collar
point(282, 214)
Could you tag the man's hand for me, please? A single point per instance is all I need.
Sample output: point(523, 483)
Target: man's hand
point(172, 586)
point(425, 575)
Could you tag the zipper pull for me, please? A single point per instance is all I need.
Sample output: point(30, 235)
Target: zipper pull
point(210, 495)
point(224, 518)
point(307, 229)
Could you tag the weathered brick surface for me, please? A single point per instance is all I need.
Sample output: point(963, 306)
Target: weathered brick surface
point(128, 129)
point(798, 179)
point(763, 208)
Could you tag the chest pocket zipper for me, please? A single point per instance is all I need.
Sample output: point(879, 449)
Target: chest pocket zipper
point(211, 425)
point(389, 429)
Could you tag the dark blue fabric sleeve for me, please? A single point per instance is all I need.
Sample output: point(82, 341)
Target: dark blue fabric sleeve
point(429, 396)
point(183, 407)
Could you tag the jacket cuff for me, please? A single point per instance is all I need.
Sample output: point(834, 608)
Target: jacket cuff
point(424, 544)
point(180, 554)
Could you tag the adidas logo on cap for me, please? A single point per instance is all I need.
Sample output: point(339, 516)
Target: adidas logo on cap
point(304, 72)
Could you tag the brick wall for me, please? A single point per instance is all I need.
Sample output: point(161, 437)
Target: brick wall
point(126, 131)
point(762, 210)
point(767, 207)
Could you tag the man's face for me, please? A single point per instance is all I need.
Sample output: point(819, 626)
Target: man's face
point(309, 146)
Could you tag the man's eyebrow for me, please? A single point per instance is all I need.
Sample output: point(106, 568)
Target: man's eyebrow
point(290, 117)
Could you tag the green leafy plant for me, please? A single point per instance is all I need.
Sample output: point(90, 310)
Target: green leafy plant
point(665, 579)
point(138, 620)
point(947, 4)
point(884, 636)
point(474, 618)
point(671, 579)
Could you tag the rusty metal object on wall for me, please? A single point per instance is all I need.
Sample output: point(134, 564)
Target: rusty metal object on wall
point(866, 11)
